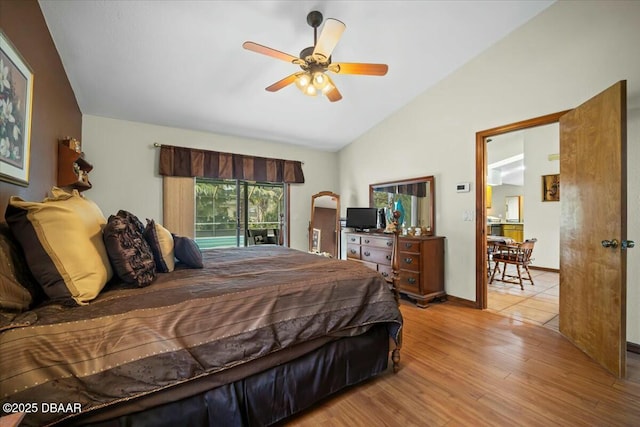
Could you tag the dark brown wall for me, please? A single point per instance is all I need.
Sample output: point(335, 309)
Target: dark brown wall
point(55, 111)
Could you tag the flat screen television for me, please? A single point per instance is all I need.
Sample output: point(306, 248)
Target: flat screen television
point(362, 218)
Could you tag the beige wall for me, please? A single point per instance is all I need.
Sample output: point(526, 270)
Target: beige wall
point(125, 174)
point(561, 58)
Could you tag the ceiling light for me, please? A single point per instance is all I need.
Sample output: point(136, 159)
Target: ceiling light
point(320, 80)
point(303, 80)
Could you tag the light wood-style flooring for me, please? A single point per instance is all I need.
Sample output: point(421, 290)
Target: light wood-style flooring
point(466, 367)
point(537, 304)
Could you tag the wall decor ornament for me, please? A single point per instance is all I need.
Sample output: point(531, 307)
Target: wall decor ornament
point(16, 95)
point(551, 188)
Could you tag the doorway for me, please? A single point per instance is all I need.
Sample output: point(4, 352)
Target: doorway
point(481, 195)
point(593, 264)
point(226, 209)
point(517, 211)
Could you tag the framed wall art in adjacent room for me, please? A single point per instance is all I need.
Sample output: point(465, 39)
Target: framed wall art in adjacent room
point(16, 96)
point(551, 188)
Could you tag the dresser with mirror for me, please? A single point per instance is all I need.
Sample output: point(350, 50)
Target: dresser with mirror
point(418, 251)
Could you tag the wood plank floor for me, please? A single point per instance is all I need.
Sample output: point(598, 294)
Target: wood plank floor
point(462, 366)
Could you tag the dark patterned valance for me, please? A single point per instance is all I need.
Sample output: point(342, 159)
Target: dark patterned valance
point(418, 189)
point(191, 162)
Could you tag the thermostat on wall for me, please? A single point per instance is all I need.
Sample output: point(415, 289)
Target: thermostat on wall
point(463, 187)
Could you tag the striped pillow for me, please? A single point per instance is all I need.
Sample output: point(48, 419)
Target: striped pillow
point(187, 251)
point(62, 242)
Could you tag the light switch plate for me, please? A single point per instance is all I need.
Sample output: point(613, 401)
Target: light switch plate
point(463, 187)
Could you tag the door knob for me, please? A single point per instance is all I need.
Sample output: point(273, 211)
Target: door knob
point(628, 244)
point(610, 243)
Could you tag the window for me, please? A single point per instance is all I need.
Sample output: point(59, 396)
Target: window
point(225, 209)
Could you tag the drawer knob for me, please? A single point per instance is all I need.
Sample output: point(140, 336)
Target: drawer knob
point(388, 257)
point(367, 253)
point(385, 274)
point(353, 239)
point(408, 245)
point(389, 243)
point(353, 251)
point(411, 280)
point(366, 240)
point(408, 260)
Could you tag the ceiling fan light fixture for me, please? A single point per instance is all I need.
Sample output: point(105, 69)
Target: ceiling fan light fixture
point(320, 80)
point(303, 80)
point(315, 61)
point(310, 90)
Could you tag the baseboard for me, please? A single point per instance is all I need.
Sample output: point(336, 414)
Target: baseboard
point(461, 301)
point(633, 347)
point(552, 270)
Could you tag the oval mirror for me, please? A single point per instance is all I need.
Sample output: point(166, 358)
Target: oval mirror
point(417, 196)
point(324, 227)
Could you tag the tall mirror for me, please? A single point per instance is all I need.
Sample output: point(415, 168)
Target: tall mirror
point(417, 196)
point(324, 227)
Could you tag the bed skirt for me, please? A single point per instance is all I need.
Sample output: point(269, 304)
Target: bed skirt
point(274, 394)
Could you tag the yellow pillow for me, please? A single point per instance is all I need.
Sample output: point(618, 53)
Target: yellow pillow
point(161, 242)
point(62, 241)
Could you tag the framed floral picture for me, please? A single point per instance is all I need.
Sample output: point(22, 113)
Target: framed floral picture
point(16, 95)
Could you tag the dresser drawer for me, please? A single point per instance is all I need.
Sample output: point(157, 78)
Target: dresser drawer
point(409, 281)
point(409, 245)
point(409, 261)
point(379, 242)
point(386, 271)
point(353, 239)
point(353, 251)
point(372, 254)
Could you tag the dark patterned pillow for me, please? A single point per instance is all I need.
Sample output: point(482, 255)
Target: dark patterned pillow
point(128, 251)
point(18, 289)
point(187, 251)
point(161, 242)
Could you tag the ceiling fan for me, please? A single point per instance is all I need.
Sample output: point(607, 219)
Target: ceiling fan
point(315, 61)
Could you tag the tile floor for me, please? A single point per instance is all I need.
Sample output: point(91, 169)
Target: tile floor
point(535, 304)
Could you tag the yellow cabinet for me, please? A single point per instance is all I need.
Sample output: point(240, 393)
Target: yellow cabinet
point(513, 231)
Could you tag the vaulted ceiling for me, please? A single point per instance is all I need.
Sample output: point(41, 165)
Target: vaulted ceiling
point(181, 63)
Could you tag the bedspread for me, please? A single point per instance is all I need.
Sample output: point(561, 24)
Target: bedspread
point(246, 303)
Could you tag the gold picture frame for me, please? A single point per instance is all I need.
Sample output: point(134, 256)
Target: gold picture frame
point(551, 188)
point(16, 93)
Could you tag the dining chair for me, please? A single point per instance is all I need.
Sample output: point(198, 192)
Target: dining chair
point(492, 248)
point(518, 254)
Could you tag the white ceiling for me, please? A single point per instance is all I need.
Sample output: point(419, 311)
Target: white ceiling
point(505, 158)
point(181, 63)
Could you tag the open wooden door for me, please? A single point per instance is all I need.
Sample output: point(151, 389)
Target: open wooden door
point(593, 227)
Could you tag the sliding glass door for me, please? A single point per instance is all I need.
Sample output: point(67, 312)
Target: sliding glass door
point(226, 209)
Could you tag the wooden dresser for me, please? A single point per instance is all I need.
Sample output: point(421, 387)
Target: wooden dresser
point(420, 262)
point(421, 268)
point(375, 250)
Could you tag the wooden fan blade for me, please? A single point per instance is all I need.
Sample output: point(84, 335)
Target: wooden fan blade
point(357, 68)
point(329, 37)
point(282, 83)
point(334, 95)
point(258, 48)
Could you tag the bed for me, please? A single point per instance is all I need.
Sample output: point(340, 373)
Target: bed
point(258, 334)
